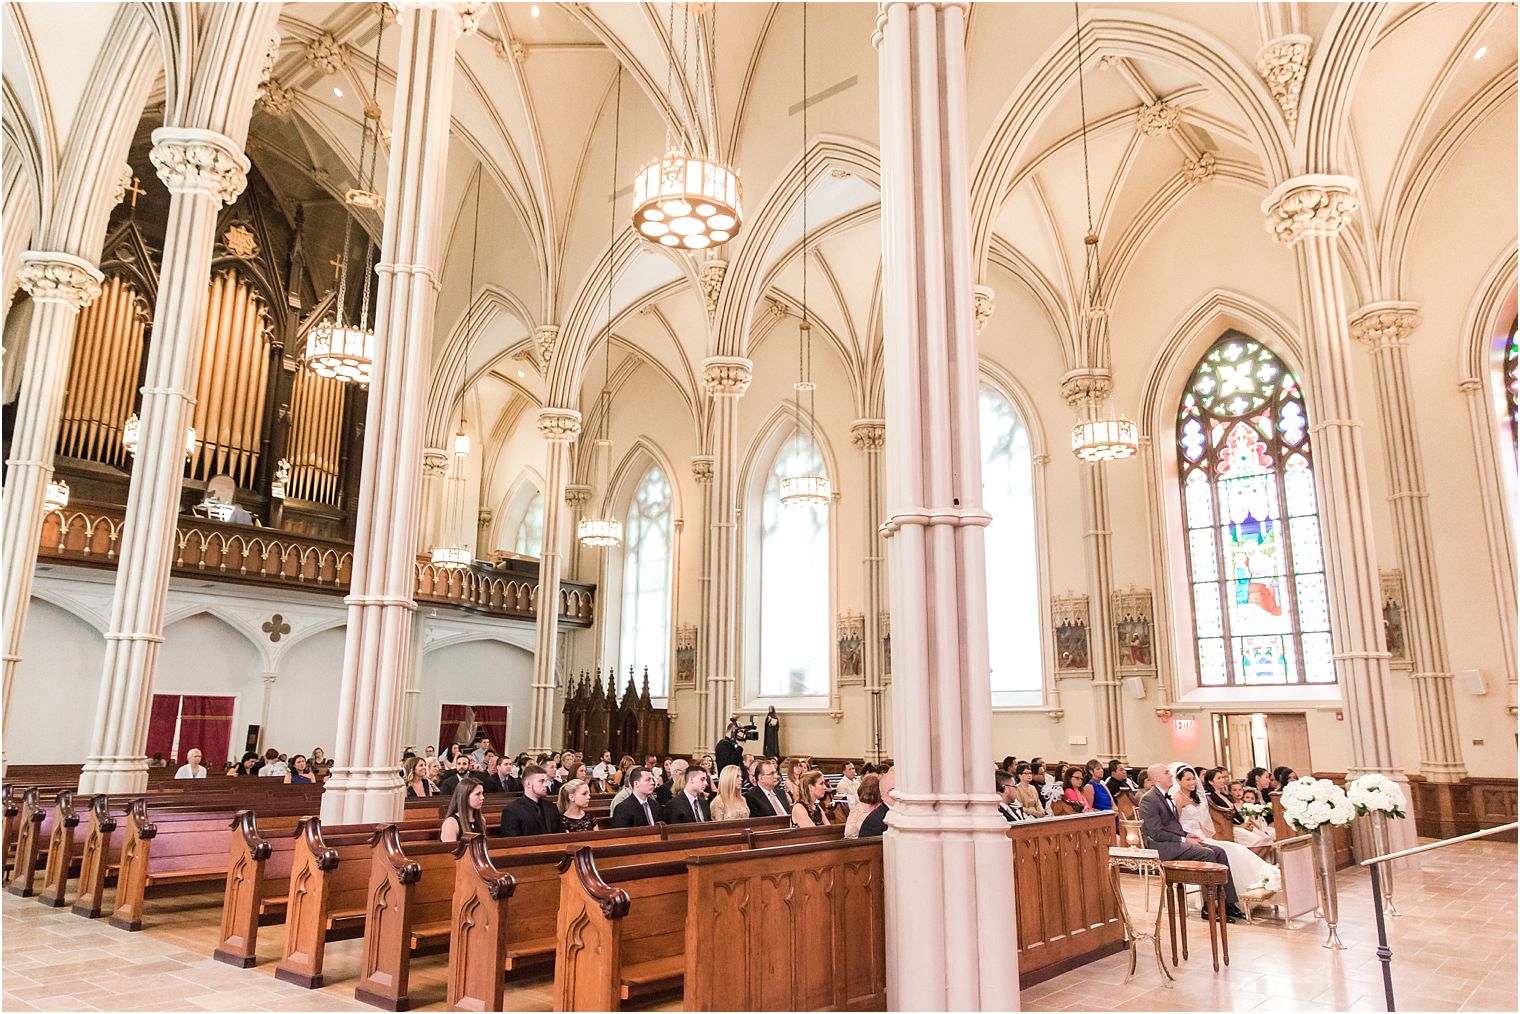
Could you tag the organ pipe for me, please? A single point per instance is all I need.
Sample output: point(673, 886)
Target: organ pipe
point(316, 437)
point(230, 388)
point(108, 345)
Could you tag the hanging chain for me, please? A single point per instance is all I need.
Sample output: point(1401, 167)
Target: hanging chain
point(367, 177)
point(1092, 262)
point(670, 70)
point(617, 141)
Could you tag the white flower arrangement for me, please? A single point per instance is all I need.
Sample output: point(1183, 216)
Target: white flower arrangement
point(1375, 793)
point(1271, 880)
point(1310, 802)
point(1257, 811)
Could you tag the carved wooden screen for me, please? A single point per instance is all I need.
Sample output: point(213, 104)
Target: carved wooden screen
point(316, 435)
point(229, 392)
point(103, 372)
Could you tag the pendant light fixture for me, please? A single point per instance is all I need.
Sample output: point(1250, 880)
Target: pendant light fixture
point(132, 428)
point(455, 554)
point(603, 530)
point(811, 488)
point(683, 200)
point(1097, 436)
point(335, 348)
point(55, 497)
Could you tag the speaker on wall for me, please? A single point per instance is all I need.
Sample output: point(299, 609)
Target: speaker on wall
point(1476, 685)
point(1136, 687)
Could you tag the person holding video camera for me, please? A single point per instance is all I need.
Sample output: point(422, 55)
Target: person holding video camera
point(730, 749)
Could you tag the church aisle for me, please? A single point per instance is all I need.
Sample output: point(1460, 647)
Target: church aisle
point(1454, 949)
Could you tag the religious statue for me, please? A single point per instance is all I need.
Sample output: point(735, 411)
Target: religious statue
point(772, 739)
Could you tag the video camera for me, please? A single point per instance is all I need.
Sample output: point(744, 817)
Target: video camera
point(742, 733)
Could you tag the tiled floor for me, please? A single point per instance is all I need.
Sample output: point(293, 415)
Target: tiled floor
point(1454, 950)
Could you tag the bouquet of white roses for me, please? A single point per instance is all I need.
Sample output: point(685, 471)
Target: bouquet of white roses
point(1375, 793)
point(1271, 880)
point(1310, 802)
point(1257, 811)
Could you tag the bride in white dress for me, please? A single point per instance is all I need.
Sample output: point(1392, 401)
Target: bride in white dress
point(1247, 870)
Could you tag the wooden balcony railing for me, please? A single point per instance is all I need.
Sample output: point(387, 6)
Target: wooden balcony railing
point(87, 534)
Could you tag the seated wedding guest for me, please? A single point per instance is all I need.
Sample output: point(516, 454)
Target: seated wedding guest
point(531, 813)
point(666, 791)
point(604, 770)
point(1246, 831)
point(158, 760)
point(1096, 793)
point(192, 767)
point(414, 774)
point(1161, 828)
point(1246, 868)
point(573, 800)
point(1026, 793)
point(299, 773)
point(875, 823)
point(638, 810)
point(231, 770)
point(1237, 790)
point(710, 765)
point(794, 773)
point(867, 801)
point(809, 810)
point(435, 771)
point(688, 804)
point(463, 815)
point(620, 780)
point(729, 803)
point(1281, 777)
point(1051, 787)
point(481, 748)
point(1142, 783)
point(459, 769)
point(1008, 764)
point(765, 799)
point(453, 751)
point(250, 764)
point(1071, 789)
point(429, 753)
point(490, 775)
point(273, 766)
point(847, 783)
point(1008, 804)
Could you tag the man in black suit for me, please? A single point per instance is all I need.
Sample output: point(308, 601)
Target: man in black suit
point(1161, 827)
point(763, 799)
point(531, 813)
point(666, 790)
point(1011, 809)
point(450, 780)
point(690, 805)
point(729, 750)
point(875, 824)
point(490, 776)
point(638, 810)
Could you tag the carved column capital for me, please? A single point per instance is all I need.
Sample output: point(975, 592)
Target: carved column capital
point(727, 375)
point(1157, 119)
point(710, 275)
point(59, 278)
point(545, 336)
point(559, 425)
point(982, 295)
point(702, 468)
point(1091, 384)
point(1200, 169)
point(192, 160)
point(577, 495)
point(468, 15)
point(1312, 205)
point(1379, 325)
point(123, 184)
point(868, 434)
point(435, 463)
point(1284, 62)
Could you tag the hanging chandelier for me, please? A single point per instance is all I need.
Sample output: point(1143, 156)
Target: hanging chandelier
point(335, 348)
point(55, 497)
point(601, 532)
point(811, 489)
point(683, 200)
point(1098, 436)
point(132, 428)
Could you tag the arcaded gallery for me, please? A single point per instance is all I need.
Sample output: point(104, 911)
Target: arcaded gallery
point(760, 506)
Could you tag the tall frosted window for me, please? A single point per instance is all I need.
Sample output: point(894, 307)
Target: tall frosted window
point(647, 580)
point(529, 538)
point(794, 583)
point(1255, 565)
point(1013, 579)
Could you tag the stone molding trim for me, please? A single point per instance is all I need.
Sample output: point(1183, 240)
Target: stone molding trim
point(50, 277)
point(1390, 322)
point(193, 160)
point(710, 275)
point(1317, 204)
point(1284, 63)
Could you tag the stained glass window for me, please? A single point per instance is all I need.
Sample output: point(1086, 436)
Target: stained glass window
point(794, 582)
point(647, 566)
point(1013, 588)
point(529, 537)
point(1255, 566)
point(1512, 385)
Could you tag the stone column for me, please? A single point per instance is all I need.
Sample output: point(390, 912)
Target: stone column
point(435, 481)
point(560, 427)
point(1488, 460)
point(270, 679)
point(1385, 329)
point(1306, 213)
point(60, 286)
point(702, 471)
point(1082, 387)
point(203, 170)
point(949, 874)
point(377, 656)
point(727, 378)
point(869, 435)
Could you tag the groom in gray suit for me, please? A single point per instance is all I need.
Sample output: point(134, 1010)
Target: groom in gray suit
point(1162, 830)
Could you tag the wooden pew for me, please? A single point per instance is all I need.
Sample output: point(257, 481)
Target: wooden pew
point(10, 806)
point(95, 861)
point(1066, 913)
point(28, 844)
point(66, 836)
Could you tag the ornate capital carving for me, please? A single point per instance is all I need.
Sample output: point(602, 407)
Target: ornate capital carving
point(1079, 386)
point(1200, 169)
point(191, 160)
point(710, 274)
point(982, 296)
point(1377, 325)
point(1313, 205)
point(469, 15)
point(276, 99)
point(123, 183)
point(271, 54)
point(59, 278)
point(702, 468)
point(728, 375)
point(559, 425)
point(326, 53)
point(1283, 63)
point(544, 337)
point(577, 495)
point(483, 519)
point(1157, 119)
point(868, 434)
point(435, 463)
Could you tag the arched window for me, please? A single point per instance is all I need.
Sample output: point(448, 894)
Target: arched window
point(647, 579)
point(1255, 564)
point(529, 537)
point(1013, 579)
point(794, 582)
point(1512, 385)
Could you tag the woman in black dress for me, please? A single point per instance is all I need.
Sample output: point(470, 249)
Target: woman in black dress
point(573, 800)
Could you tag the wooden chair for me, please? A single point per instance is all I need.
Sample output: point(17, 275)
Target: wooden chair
point(1180, 874)
point(1142, 924)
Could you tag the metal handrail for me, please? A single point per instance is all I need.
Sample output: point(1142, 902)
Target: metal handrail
point(1384, 952)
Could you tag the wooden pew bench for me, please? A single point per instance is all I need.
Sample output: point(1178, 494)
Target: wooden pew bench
point(31, 838)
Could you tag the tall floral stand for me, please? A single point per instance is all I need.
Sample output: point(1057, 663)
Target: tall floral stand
point(1324, 875)
point(1382, 844)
